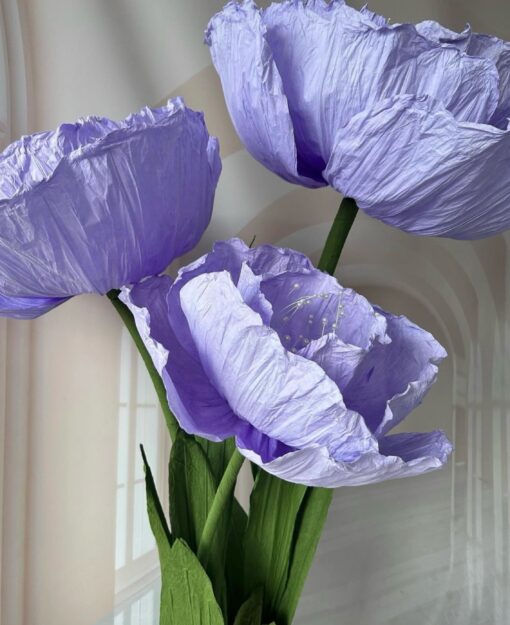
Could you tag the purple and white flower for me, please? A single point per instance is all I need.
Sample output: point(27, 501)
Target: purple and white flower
point(308, 376)
point(410, 121)
point(96, 204)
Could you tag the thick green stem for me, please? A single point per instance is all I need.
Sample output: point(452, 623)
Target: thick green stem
point(221, 500)
point(338, 235)
point(129, 322)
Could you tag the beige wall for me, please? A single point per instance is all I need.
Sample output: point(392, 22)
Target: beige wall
point(434, 550)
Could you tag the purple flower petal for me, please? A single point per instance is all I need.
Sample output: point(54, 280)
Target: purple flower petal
point(98, 204)
point(410, 445)
point(392, 379)
point(497, 51)
point(409, 163)
point(283, 395)
point(191, 396)
point(306, 82)
point(338, 359)
point(483, 46)
point(376, 19)
point(314, 466)
point(264, 260)
point(336, 62)
point(248, 286)
point(253, 91)
point(309, 305)
point(440, 34)
point(28, 307)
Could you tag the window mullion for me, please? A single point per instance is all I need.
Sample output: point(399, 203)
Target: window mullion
point(130, 486)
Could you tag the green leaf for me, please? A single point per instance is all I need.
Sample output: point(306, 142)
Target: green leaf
point(309, 526)
point(218, 455)
point(250, 613)
point(157, 518)
point(234, 560)
point(187, 596)
point(192, 489)
point(269, 542)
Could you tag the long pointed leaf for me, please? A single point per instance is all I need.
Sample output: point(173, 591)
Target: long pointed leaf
point(157, 518)
point(234, 560)
point(189, 597)
point(192, 489)
point(250, 613)
point(162, 535)
point(274, 508)
point(311, 519)
point(218, 455)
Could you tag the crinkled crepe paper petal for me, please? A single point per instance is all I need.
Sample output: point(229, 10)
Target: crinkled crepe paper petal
point(478, 45)
point(409, 163)
point(308, 305)
point(196, 403)
point(253, 90)
point(98, 204)
point(28, 307)
point(402, 455)
point(281, 394)
point(306, 101)
point(336, 62)
point(393, 378)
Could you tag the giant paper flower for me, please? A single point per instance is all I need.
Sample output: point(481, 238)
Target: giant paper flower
point(96, 204)
point(307, 375)
point(410, 121)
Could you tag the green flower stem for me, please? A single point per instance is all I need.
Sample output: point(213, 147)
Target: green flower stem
point(337, 235)
point(221, 499)
point(129, 322)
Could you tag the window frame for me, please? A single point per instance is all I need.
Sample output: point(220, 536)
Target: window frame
point(137, 573)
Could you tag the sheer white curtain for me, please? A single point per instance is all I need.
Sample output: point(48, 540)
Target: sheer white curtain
point(14, 349)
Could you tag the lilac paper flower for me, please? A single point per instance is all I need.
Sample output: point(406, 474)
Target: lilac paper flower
point(308, 376)
point(410, 121)
point(96, 204)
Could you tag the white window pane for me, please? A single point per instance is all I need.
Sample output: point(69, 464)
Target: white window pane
point(142, 611)
point(143, 541)
point(119, 619)
point(145, 393)
point(147, 429)
point(121, 528)
point(123, 446)
point(125, 366)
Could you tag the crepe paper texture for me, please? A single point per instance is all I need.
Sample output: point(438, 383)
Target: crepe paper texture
point(409, 120)
point(98, 203)
point(308, 376)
